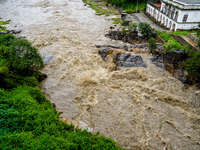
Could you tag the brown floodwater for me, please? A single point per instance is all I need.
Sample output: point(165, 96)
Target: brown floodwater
point(140, 108)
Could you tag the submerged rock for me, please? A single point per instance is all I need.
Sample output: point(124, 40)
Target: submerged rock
point(46, 58)
point(134, 61)
point(121, 58)
point(13, 31)
point(77, 124)
point(172, 62)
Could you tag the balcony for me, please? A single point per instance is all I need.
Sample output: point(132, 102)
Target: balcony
point(155, 5)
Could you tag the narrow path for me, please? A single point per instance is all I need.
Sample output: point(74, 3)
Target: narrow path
point(141, 17)
point(189, 41)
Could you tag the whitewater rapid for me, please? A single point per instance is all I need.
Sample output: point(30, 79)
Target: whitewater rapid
point(139, 108)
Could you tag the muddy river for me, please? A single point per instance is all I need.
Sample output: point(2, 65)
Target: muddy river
point(139, 108)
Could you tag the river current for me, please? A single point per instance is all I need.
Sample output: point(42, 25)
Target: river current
point(139, 108)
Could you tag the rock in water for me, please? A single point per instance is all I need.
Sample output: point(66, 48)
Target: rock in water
point(121, 58)
point(103, 52)
point(46, 58)
point(134, 61)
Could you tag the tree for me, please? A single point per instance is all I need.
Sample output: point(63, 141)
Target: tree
point(152, 43)
point(192, 65)
point(133, 26)
point(145, 29)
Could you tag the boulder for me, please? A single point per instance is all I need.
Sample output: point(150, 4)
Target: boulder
point(46, 58)
point(134, 61)
point(13, 31)
point(123, 57)
point(103, 52)
point(158, 61)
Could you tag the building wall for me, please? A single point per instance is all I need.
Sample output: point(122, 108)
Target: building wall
point(172, 18)
point(193, 15)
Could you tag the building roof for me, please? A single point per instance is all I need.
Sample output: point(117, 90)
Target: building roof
point(157, 4)
point(189, 1)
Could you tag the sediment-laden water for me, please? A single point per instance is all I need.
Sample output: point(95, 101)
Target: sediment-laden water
point(140, 108)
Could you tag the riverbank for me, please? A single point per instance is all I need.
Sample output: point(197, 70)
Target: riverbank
point(28, 119)
point(137, 107)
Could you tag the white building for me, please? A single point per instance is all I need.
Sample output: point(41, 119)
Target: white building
point(176, 14)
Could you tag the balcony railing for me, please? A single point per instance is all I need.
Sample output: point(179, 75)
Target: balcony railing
point(153, 5)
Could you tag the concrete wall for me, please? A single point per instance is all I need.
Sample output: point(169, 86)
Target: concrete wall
point(174, 19)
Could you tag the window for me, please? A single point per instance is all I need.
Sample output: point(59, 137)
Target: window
point(185, 18)
point(176, 18)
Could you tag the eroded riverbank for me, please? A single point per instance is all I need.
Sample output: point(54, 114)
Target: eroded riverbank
point(140, 108)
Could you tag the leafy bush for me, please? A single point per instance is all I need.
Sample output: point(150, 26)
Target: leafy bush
point(192, 65)
point(145, 29)
point(133, 26)
point(125, 23)
point(164, 36)
point(23, 55)
point(116, 20)
point(129, 5)
point(19, 61)
point(199, 43)
point(123, 31)
point(29, 121)
point(2, 23)
point(171, 43)
point(152, 43)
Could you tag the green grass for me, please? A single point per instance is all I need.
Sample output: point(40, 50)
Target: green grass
point(183, 32)
point(100, 8)
point(28, 121)
point(116, 20)
point(171, 43)
point(128, 5)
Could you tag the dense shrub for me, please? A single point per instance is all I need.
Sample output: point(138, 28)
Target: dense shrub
point(2, 27)
point(23, 55)
point(28, 121)
point(125, 23)
point(192, 65)
point(145, 29)
point(133, 26)
point(129, 5)
point(164, 36)
point(19, 61)
point(171, 43)
point(152, 43)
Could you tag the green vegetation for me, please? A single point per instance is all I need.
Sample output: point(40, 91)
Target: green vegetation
point(125, 23)
point(183, 32)
point(2, 27)
point(129, 5)
point(192, 65)
point(171, 43)
point(152, 43)
point(133, 26)
point(116, 20)
point(19, 62)
point(100, 8)
point(27, 119)
point(145, 29)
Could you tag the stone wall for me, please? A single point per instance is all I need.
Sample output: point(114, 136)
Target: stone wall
point(193, 37)
point(183, 42)
point(159, 40)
